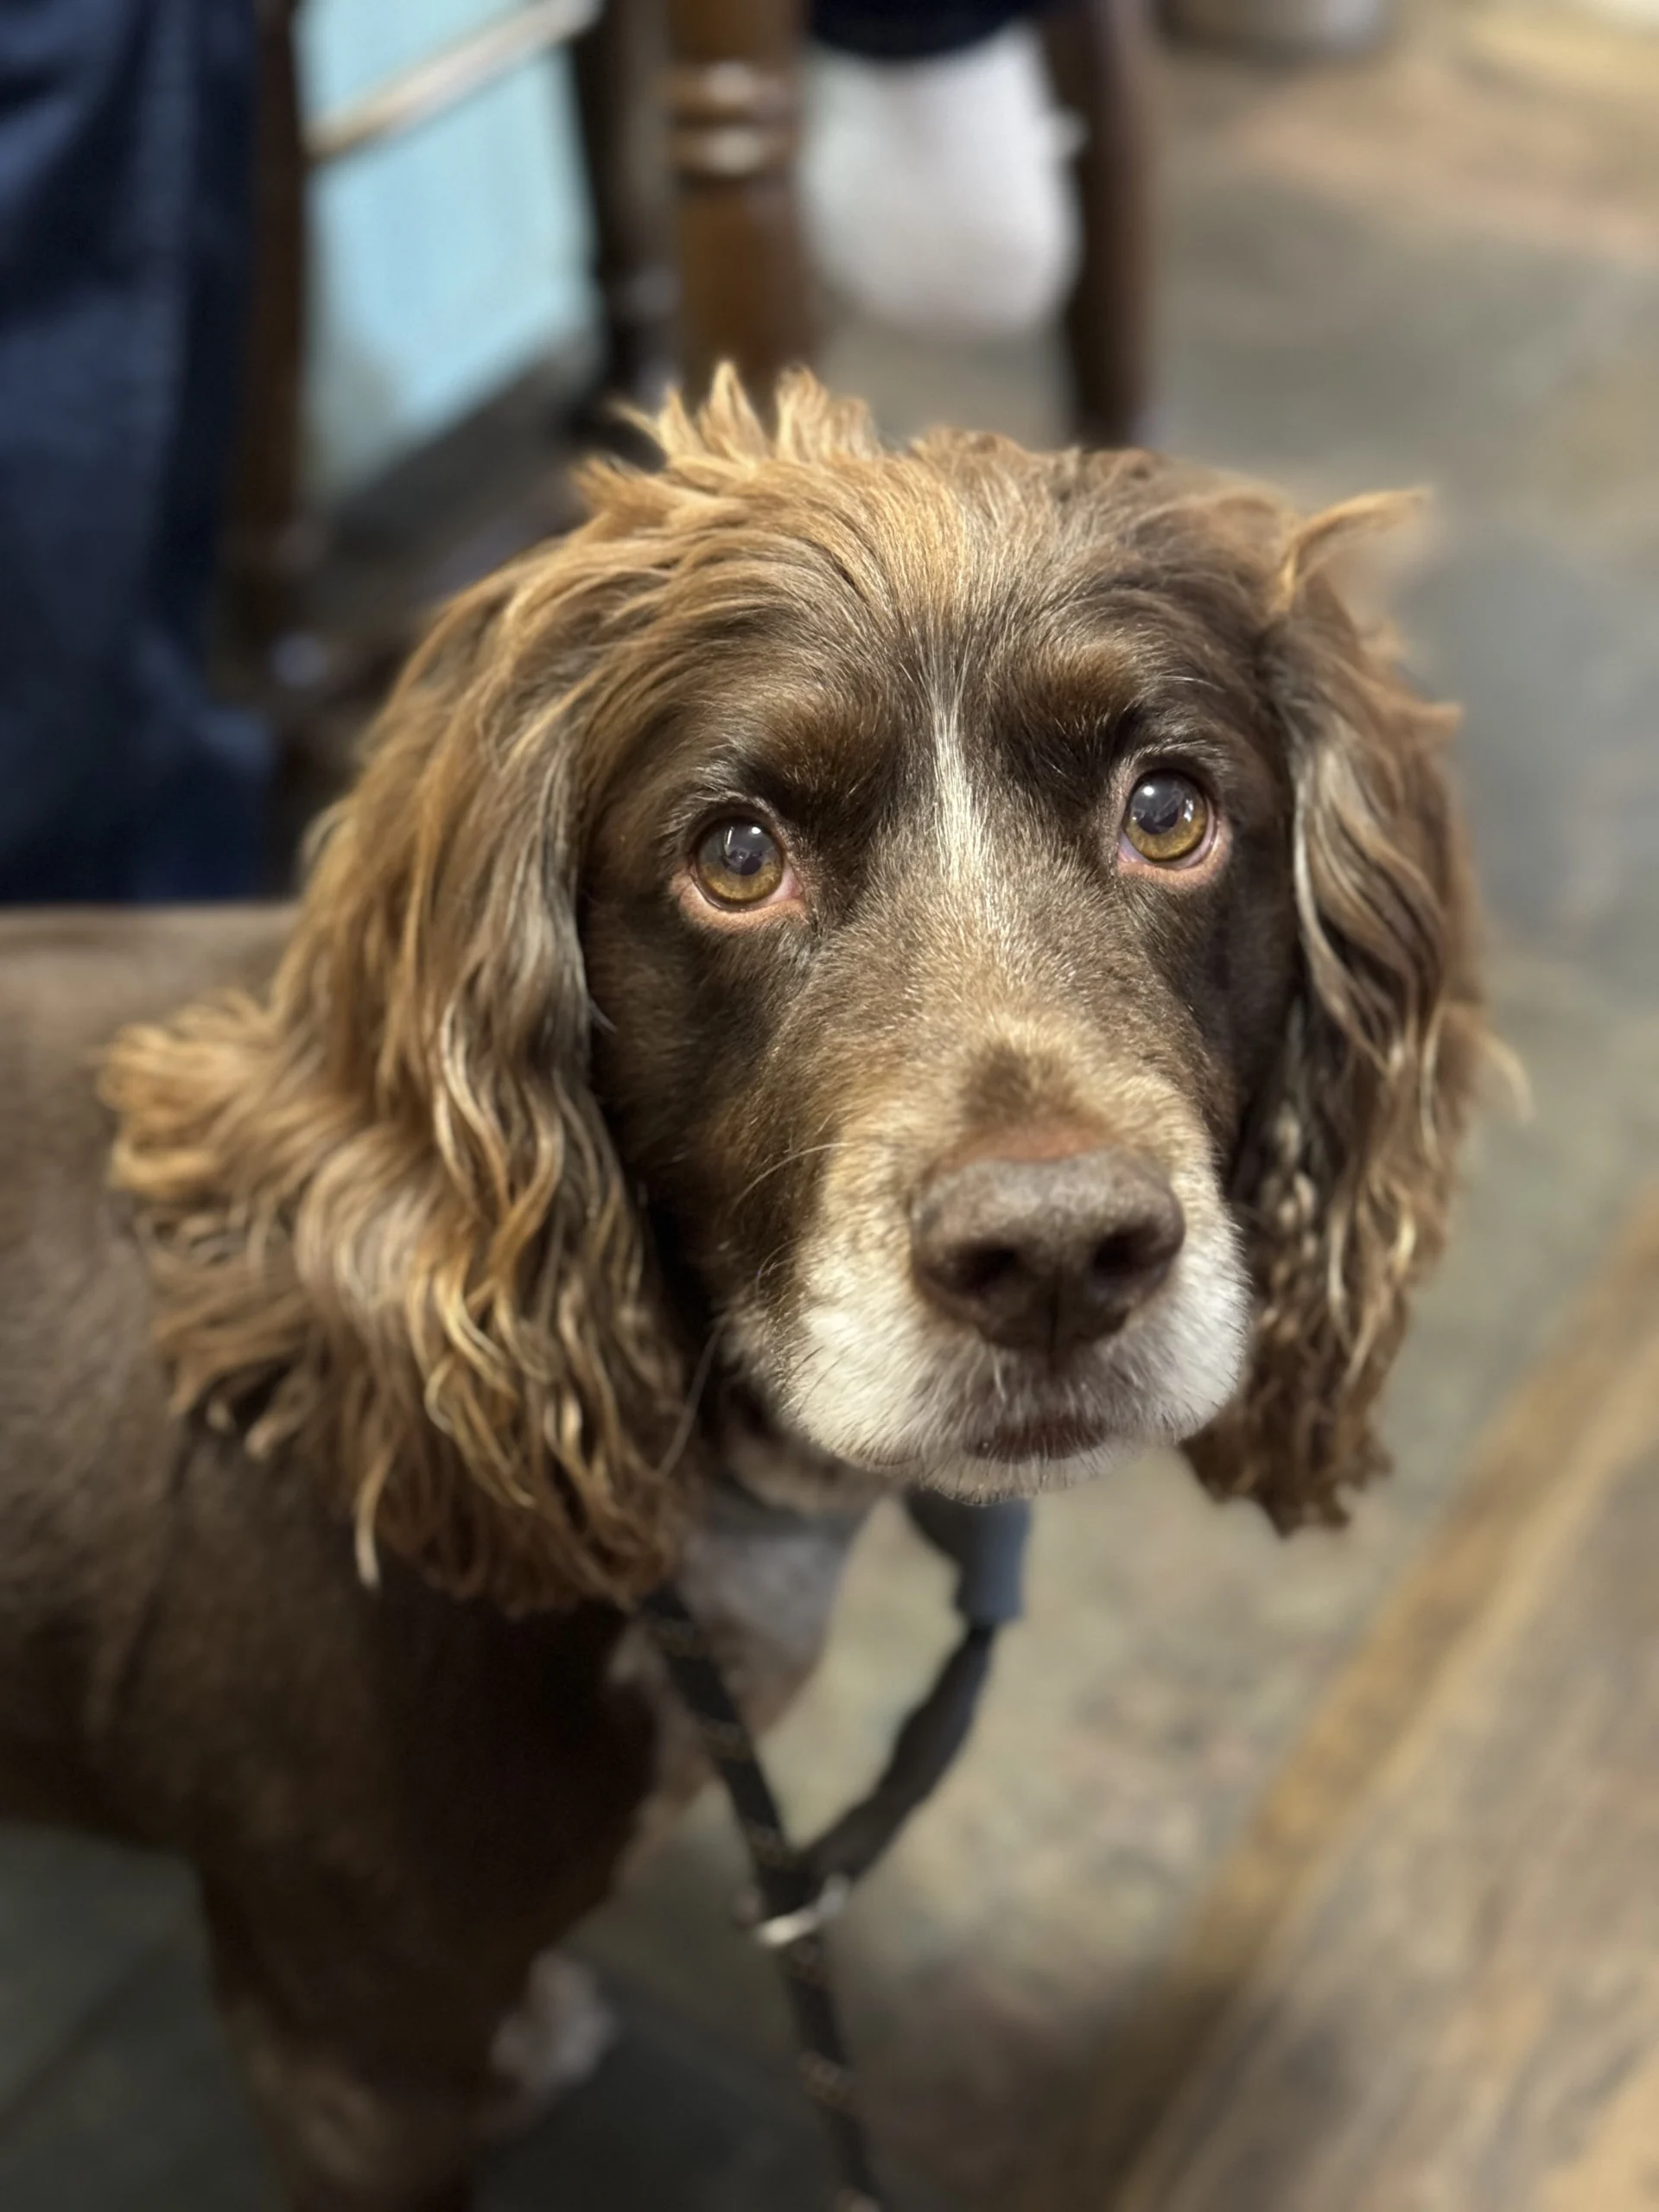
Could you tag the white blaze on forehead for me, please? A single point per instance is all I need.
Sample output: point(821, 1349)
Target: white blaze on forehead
point(959, 827)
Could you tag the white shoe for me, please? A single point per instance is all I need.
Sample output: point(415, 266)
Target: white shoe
point(933, 192)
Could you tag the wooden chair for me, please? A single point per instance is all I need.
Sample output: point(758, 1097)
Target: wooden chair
point(690, 117)
point(745, 295)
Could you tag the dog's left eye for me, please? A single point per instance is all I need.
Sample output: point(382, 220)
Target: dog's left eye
point(738, 863)
point(1168, 819)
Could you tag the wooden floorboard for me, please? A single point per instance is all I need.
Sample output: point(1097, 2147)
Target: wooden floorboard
point(1428, 1980)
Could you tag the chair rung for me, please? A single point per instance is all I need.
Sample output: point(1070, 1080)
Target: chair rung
point(429, 87)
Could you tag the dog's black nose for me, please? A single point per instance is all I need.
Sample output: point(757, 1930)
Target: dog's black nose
point(1043, 1254)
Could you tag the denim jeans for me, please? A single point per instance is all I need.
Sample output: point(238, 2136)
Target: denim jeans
point(126, 176)
point(912, 31)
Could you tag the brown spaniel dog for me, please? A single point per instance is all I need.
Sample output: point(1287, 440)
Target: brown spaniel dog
point(856, 969)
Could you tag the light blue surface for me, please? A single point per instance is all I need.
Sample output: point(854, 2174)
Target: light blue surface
point(446, 260)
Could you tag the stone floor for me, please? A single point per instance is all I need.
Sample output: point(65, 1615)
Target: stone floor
point(1441, 268)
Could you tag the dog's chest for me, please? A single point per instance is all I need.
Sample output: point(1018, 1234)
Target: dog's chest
point(760, 1571)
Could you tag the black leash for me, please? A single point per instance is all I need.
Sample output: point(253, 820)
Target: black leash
point(797, 1890)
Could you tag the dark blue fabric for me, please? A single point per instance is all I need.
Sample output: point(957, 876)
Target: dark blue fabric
point(912, 31)
point(126, 130)
point(986, 1544)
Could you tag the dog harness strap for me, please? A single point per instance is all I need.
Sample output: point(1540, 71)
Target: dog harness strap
point(925, 1746)
point(987, 1546)
point(786, 1885)
point(798, 1891)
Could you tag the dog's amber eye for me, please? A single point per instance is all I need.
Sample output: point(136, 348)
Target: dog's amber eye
point(1168, 817)
point(739, 863)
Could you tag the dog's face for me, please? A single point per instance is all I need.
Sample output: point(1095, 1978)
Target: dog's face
point(973, 945)
point(940, 948)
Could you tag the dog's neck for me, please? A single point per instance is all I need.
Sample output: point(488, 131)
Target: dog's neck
point(777, 1469)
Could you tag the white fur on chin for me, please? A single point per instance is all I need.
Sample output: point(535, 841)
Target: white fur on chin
point(877, 1380)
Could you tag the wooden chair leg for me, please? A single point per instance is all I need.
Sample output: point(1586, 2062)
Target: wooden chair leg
point(618, 65)
point(1096, 56)
point(734, 115)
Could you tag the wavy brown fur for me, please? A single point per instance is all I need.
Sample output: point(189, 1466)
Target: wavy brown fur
point(387, 1221)
point(1345, 1189)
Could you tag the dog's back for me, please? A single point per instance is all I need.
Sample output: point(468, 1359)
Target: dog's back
point(188, 1655)
point(84, 1453)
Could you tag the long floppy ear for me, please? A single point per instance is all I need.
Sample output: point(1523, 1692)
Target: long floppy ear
point(388, 1228)
point(1345, 1176)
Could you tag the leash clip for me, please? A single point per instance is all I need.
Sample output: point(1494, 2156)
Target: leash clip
point(786, 1928)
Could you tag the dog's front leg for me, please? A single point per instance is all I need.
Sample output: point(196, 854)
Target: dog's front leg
point(356, 2120)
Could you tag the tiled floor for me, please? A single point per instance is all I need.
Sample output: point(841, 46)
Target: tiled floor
point(1444, 269)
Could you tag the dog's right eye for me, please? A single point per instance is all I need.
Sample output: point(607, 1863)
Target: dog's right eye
point(738, 863)
point(1169, 820)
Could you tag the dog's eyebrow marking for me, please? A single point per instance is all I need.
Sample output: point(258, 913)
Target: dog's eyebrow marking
point(959, 829)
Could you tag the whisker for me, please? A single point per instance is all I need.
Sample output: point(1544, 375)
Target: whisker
point(789, 1159)
point(687, 1421)
point(859, 1142)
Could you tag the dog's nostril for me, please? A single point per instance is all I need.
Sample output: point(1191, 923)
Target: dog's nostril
point(980, 1266)
point(1117, 1256)
point(1045, 1253)
point(1136, 1250)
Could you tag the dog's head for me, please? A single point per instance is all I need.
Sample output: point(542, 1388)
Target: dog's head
point(975, 944)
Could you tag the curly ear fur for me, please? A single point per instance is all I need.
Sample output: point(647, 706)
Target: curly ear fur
point(386, 1219)
point(1345, 1179)
point(387, 1225)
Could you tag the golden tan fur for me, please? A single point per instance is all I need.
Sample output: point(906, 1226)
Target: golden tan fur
point(388, 1221)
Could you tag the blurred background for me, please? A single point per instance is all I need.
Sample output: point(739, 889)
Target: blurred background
point(1278, 1879)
